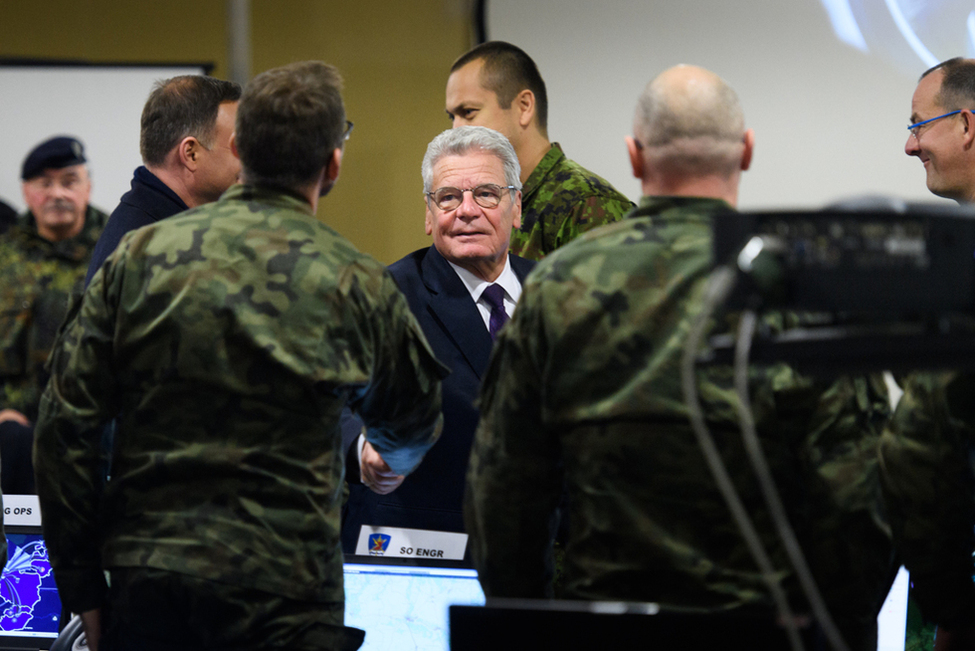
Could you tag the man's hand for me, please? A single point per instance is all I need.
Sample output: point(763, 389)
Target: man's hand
point(91, 620)
point(14, 415)
point(375, 474)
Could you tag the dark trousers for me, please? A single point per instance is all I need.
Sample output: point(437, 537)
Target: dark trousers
point(155, 610)
point(16, 465)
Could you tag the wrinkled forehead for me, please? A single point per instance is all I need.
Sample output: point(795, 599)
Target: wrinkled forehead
point(472, 167)
point(70, 173)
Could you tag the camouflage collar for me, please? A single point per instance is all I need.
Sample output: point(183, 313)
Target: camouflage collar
point(75, 249)
point(683, 207)
point(552, 158)
point(275, 196)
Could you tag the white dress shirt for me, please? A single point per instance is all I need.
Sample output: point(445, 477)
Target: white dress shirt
point(509, 283)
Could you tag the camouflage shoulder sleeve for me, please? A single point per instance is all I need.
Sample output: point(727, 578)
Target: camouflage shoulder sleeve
point(568, 200)
point(591, 212)
point(850, 550)
point(401, 405)
point(69, 460)
point(926, 468)
point(513, 480)
point(16, 299)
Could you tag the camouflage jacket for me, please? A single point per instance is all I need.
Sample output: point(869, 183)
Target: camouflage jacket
point(37, 279)
point(560, 200)
point(226, 340)
point(584, 387)
point(927, 461)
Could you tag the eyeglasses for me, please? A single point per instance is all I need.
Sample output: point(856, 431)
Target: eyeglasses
point(348, 130)
point(915, 128)
point(487, 195)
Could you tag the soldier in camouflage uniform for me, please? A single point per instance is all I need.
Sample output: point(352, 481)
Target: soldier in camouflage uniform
point(584, 388)
point(42, 262)
point(928, 468)
point(227, 340)
point(928, 452)
point(497, 85)
point(8, 216)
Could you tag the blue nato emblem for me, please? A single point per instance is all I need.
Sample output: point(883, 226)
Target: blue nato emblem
point(378, 543)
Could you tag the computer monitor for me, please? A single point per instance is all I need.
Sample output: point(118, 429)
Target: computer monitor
point(403, 603)
point(30, 610)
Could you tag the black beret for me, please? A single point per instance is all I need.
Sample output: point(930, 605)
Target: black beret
point(53, 154)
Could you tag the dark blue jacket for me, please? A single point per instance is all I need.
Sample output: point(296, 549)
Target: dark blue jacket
point(147, 202)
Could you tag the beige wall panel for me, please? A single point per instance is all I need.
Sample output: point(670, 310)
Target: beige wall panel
point(394, 57)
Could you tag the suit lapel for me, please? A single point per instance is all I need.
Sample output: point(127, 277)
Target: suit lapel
point(452, 307)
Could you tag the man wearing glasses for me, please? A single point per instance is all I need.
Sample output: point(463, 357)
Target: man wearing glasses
point(942, 129)
point(461, 290)
point(927, 451)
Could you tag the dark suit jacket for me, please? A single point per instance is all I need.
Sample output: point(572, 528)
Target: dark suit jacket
point(430, 498)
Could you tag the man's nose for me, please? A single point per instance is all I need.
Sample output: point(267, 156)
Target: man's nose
point(912, 147)
point(468, 207)
point(58, 190)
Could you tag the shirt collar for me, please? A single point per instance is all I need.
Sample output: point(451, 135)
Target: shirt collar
point(476, 286)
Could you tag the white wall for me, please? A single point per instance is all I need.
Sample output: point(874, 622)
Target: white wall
point(830, 120)
point(100, 105)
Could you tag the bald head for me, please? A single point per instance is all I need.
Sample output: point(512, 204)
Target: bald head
point(689, 120)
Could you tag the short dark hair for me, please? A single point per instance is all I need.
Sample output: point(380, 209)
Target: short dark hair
point(289, 121)
point(507, 71)
point(180, 107)
point(958, 84)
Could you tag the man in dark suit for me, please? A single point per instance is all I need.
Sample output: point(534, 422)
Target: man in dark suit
point(184, 140)
point(473, 199)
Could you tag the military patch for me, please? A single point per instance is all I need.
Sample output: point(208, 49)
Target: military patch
point(378, 543)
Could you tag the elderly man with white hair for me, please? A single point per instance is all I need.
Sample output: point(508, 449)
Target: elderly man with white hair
point(461, 290)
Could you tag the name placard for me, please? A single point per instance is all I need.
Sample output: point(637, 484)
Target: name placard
point(21, 510)
point(411, 543)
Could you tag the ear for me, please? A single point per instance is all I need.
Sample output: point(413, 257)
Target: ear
point(429, 220)
point(636, 156)
point(524, 102)
point(233, 145)
point(746, 156)
point(968, 120)
point(333, 166)
point(188, 150)
point(516, 220)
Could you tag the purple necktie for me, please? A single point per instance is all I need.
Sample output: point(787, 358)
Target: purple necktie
point(494, 295)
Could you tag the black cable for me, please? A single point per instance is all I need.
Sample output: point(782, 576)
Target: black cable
point(720, 284)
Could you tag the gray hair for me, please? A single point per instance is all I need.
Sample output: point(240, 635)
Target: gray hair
point(464, 140)
point(697, 127)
